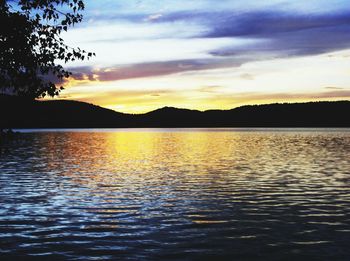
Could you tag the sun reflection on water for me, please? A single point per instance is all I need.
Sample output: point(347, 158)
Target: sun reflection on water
point(160, 190)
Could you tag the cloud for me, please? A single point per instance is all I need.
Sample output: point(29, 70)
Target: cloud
point(210, 89)
point(282, 96)
point(268, 23)
point(153, 17)
point(284, 33)
point(301, 43)
point(155, 42)
point(144, 70)
point(247, 76)
point(287, 36)
point(256, 23)
point(333, 88)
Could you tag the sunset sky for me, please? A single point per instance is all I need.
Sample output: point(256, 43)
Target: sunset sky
point(210, 54)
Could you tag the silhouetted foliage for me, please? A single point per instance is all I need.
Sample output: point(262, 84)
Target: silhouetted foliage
point(31, 45)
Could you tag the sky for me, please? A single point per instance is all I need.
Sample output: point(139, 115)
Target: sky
point(210, 54)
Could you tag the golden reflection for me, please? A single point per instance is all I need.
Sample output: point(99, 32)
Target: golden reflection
point(141, 169)
point(108, 156)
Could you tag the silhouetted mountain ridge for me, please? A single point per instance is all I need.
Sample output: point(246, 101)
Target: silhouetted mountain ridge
point(23, 113)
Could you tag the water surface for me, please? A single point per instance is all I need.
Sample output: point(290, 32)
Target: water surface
point(179, 194)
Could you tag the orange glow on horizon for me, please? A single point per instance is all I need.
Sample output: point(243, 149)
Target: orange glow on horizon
point(300, 79)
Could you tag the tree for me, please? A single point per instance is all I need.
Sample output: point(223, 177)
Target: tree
point(31, 45)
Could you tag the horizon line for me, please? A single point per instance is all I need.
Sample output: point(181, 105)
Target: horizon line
point(182, 108)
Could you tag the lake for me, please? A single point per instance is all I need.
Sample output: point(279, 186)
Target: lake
point(176, 194)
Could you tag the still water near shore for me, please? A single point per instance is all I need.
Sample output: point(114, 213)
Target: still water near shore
point(180, 194)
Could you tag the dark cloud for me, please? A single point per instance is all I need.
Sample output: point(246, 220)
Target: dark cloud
point(262, 23)
point(142, 70)
point(299, 43)
point(285, 34)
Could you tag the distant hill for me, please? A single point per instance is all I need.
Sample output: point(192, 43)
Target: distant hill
point(22, 113)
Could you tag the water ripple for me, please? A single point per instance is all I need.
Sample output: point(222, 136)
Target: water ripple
point(183, 195)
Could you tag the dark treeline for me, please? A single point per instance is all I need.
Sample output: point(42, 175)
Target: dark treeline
point(23, 113)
